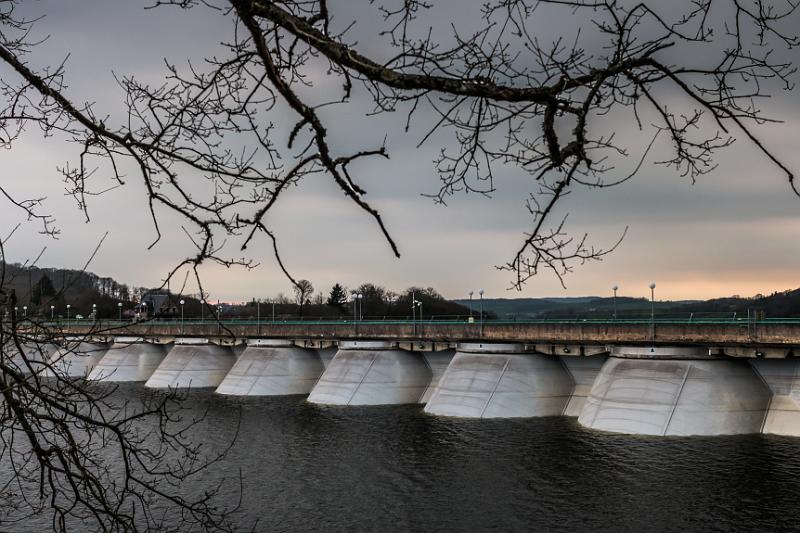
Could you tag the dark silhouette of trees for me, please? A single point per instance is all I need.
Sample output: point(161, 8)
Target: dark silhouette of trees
point(43, 290)
point(303, 289)
point(79, 453)
point(337, 297)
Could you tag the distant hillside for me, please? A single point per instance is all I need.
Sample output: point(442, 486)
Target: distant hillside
point(779, 304)
point(556, 307)
point(39, 288)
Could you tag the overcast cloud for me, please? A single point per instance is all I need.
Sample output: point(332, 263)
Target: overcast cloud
point(735, 231)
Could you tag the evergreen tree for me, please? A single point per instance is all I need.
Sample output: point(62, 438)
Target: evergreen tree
point(337, 297)
point(42, 291)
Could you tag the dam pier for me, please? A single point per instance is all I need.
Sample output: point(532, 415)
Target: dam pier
point(717, 377)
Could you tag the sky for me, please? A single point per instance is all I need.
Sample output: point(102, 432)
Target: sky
point(734, 231)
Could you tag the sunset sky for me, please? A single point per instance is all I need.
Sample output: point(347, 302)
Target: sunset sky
point(735, 231)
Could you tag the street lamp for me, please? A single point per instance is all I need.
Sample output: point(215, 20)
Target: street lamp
point(25, 311)
point(52, 312)
point(182, 302)
point(360, 306)
point(470, 304)
point(652, 311)
point(94, 311)
point(614, 288)
point(480, 292)
point(119, 306)
point(68, 307)
point(414, 312)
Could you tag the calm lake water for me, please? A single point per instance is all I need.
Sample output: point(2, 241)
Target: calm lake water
point(394, 468)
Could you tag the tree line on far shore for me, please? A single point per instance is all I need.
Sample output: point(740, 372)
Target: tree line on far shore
point(46, 292)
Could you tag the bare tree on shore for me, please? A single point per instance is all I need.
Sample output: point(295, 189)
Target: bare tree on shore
point(80, 454)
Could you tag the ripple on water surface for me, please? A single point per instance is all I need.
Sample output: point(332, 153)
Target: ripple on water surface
point(394, 468)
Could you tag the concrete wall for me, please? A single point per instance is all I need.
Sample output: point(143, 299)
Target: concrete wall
point(676, 397)
point(496, 385)
point(438, 363)
point(195, 366)
point(327, 355)
point(584, 371)
point(129, 362)
point(76, 360)
point(273, 370)
point(372, 377)
point(783, 378)
point(35, 359)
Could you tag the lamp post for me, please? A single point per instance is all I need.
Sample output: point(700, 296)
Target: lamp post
point(414, 312)
point(94, 312)
point(414, 304)
point(119, 307)
point(24, 311)
point(480, 292)
point(360, 306)
point(652, 311)
point(470, 304)
point(614, 288)
point(68, 307)
point(52, 312)
point(182, 302)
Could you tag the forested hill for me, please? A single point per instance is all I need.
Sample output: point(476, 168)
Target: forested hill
point(39, 288)
point(778, 304)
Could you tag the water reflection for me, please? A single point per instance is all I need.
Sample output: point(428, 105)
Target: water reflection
point(308, 467)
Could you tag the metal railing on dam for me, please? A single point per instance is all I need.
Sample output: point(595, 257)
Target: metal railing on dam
point(707, 330)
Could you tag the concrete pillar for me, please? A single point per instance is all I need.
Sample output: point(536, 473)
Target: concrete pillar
point(782, 376)
point(129, 361)
point(195, 365)
point(76, 360)
point(675, 391)
point(499, 381)
point(272, 368)
point(438, 363)
point(372, 373)
point(584, 371)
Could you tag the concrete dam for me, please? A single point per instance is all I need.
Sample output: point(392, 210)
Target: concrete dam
point(662, 387)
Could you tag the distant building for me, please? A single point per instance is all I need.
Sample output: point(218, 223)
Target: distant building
point(157, 304)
